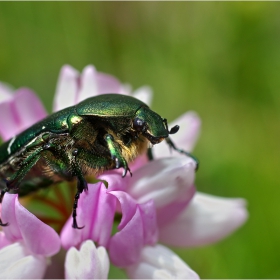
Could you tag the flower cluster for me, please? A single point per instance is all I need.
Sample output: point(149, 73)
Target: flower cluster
point(158, 205)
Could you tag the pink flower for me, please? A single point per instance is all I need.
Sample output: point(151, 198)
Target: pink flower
point(96, 211)
point(30, 242)
point(157, 205)
point(20, 109)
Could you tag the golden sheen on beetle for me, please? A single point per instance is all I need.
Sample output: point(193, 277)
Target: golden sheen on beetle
point(100, 133)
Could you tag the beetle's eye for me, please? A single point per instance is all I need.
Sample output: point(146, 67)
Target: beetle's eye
point(139, 124)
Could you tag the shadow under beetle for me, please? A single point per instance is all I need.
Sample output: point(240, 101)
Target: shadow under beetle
point(100, 133)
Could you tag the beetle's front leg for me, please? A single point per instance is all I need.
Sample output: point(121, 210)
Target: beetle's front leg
point(116, 154)
point(172, 146)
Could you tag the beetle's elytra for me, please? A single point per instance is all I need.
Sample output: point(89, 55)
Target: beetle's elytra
point(100, 133)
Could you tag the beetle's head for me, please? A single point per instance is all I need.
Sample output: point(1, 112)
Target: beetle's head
point(152, 126)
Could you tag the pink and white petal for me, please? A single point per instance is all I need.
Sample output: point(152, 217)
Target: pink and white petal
point(6, 92)
point(38, 237)
point(3, 240)
point(10, 123)
point(88, 85)
point(17, 263)
point(126, 245)
point(164, 181)
point(169, 212)
point(20, 111)
point(85, 217)
point(128, 206)
point(126, 89)
point(28, 107)
point(104, 217)
point(147, 211)
point(145, 94)
point(159, 262)
point(149, 220)
point(96, 213)
point(8, 215)
point(87, 263)
point(85, 213)
point(184, 139)
point(107, 83)
point(138, 162)
point(114, 180)
point(207, 219)
point(67, 88)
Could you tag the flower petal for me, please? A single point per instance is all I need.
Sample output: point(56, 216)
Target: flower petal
point(96, 213)
point(168, 182)
point(114, 180)
point(145, 94)
point(138, 227)
point(20, 112)
point(17, 263)
point(163, 180)
point(184, 139)
point(128, 205)
point(8, 215)
point(3, 240)
point(159, 262)
point(126, 245)
point(138, 162)
point(206, 220)
point(11, 126)
point(28, 107)
point(149, 221)
point(67, 88)
point(38, 237)
point(87, 263)
point(107, 84)
point(6, 92)
point(88, 85)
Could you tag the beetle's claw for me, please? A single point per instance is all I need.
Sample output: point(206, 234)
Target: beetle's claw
point(75, 224)
point(122, 163)
point(125, 169)
point(124, 172)
point(3, 224)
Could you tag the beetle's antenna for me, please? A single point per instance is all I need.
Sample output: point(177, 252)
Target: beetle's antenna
point(173, 130)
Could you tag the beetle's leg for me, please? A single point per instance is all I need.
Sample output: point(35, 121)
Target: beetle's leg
point(116, 155)
point(33, 152)
point(25, 166)
point(81, 186)
point(172, 146)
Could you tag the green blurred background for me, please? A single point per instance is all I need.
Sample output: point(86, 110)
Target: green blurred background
point(221, 59)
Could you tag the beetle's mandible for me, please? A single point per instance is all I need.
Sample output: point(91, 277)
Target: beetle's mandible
point(100, 133)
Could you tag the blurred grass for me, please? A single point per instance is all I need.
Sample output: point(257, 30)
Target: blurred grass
point(220, 59)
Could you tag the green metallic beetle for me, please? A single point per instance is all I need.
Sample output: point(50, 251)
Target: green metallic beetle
point(100, 133)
